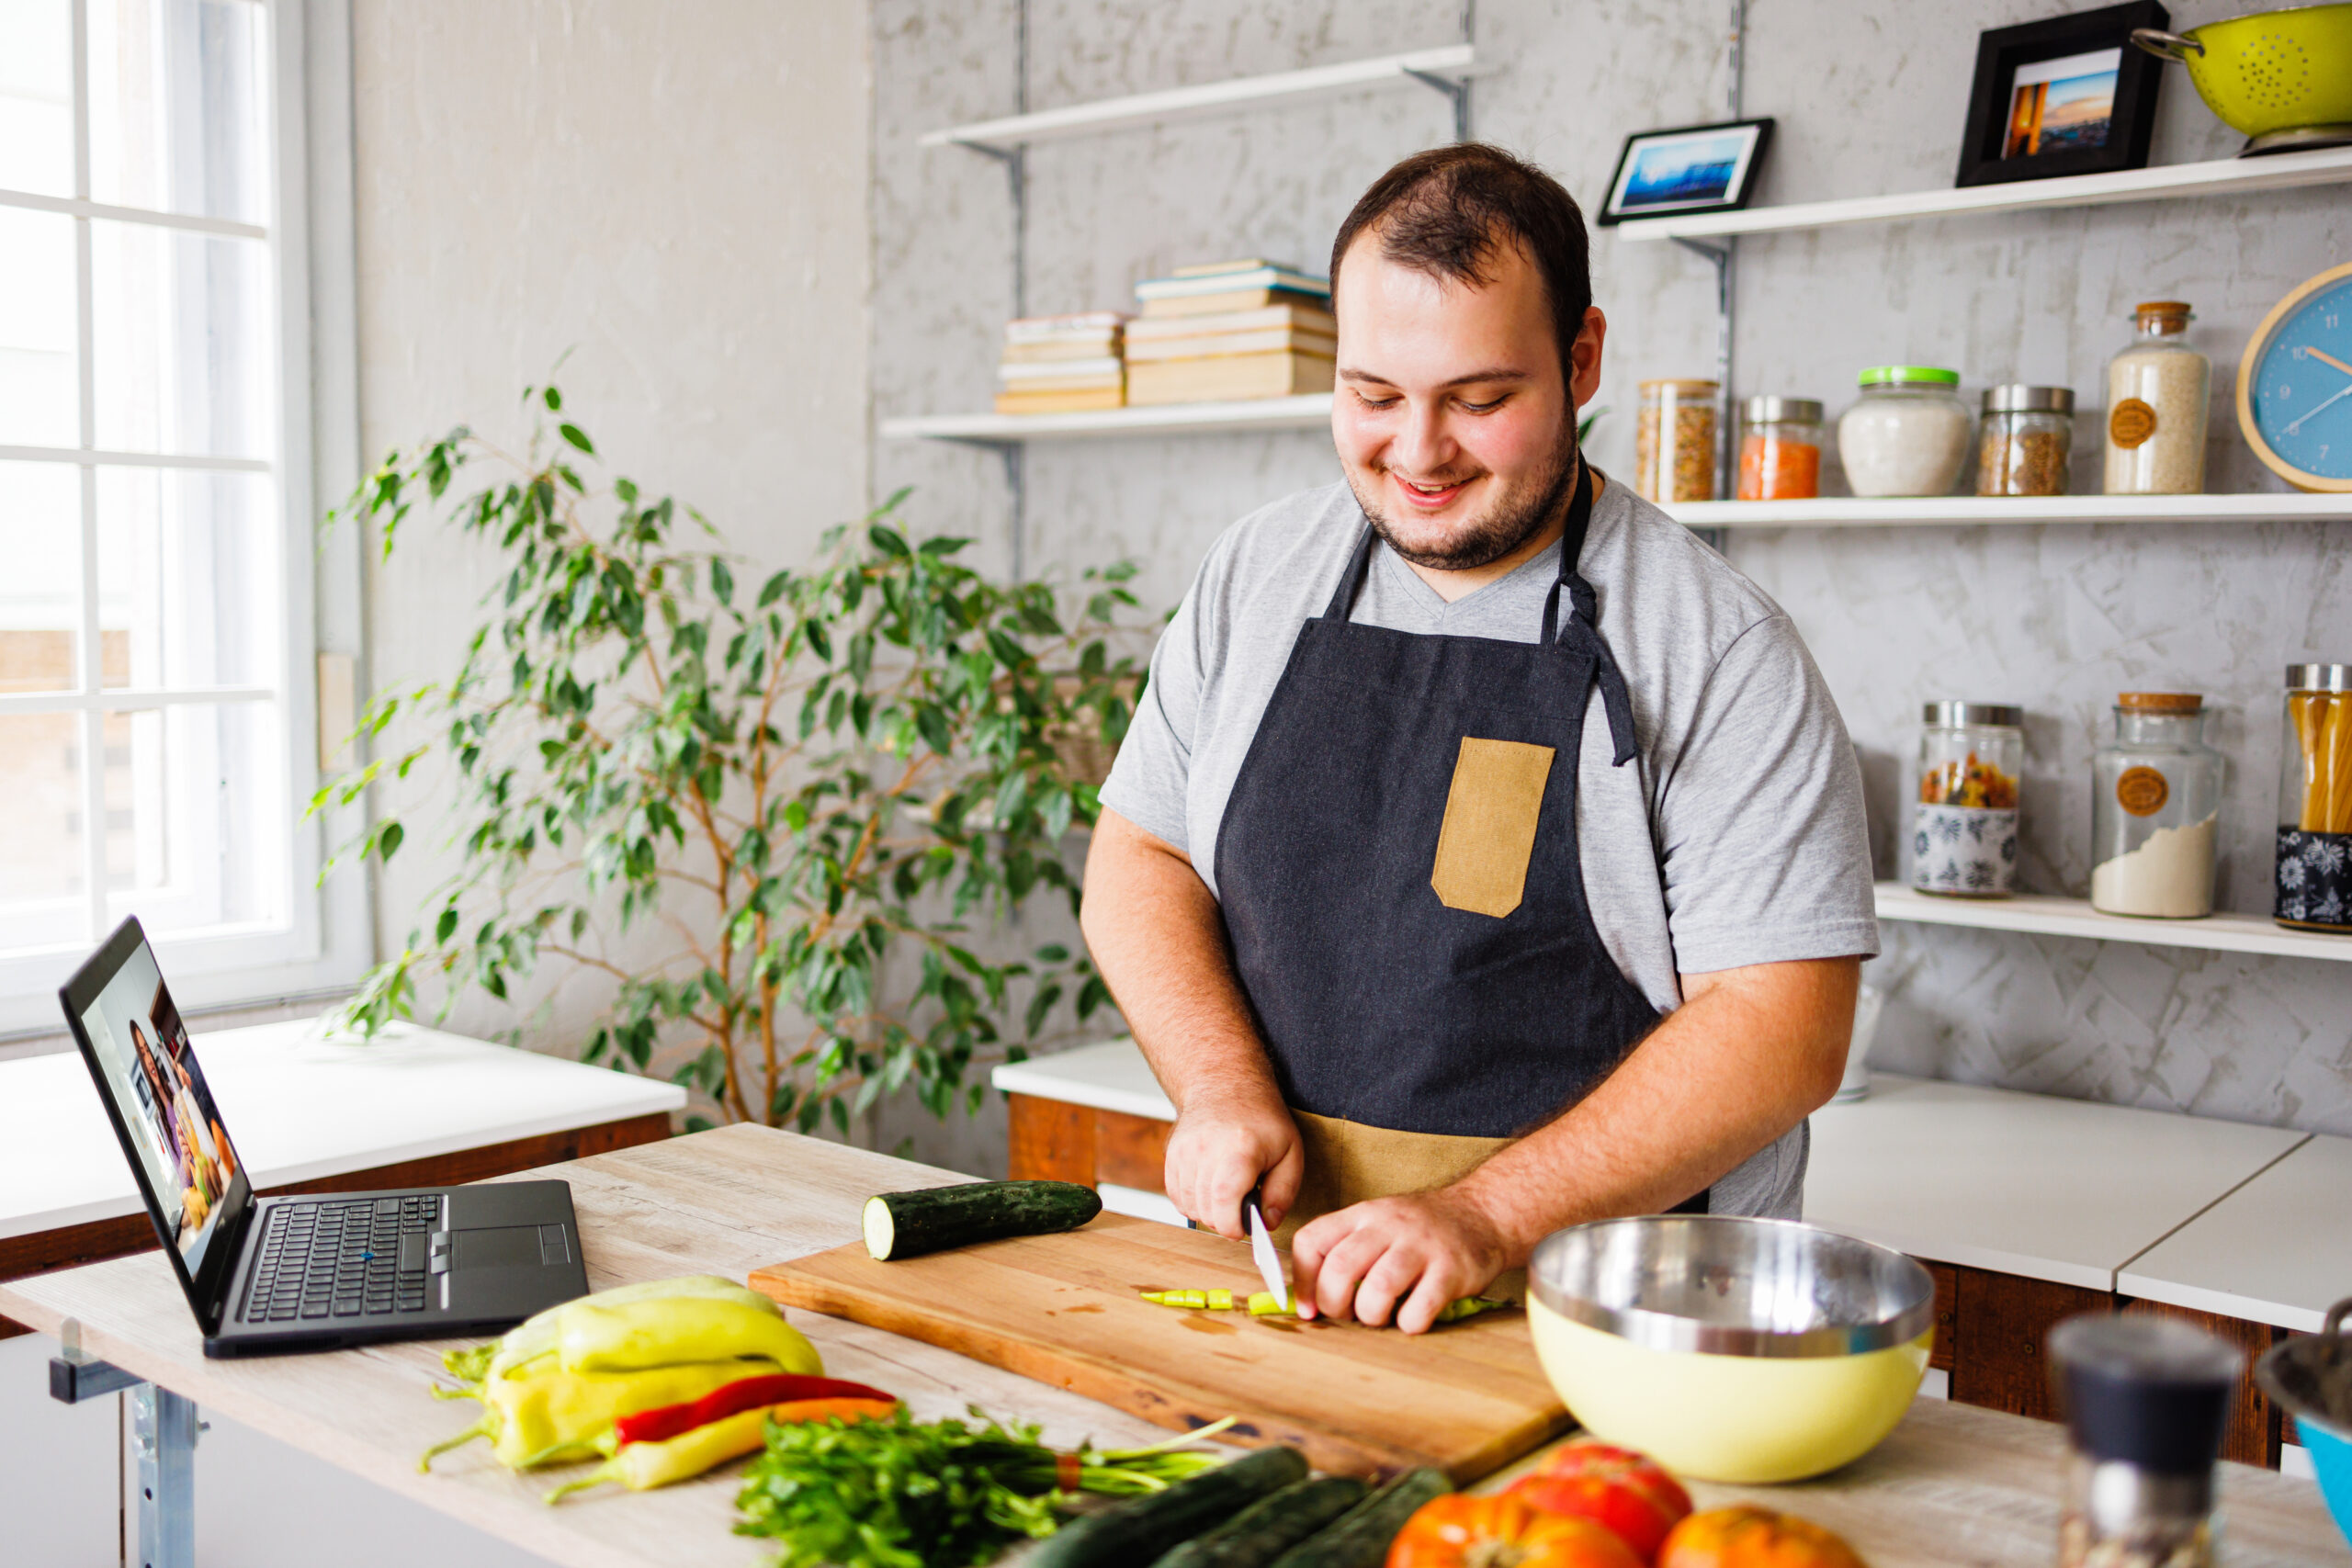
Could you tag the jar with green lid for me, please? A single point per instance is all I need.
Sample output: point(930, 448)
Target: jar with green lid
point(1908, 434)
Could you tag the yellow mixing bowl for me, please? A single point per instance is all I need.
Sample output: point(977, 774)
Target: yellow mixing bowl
point(1731, 1349)
point(2281, 78)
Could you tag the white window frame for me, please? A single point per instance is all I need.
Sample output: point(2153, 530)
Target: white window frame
point(328, 937)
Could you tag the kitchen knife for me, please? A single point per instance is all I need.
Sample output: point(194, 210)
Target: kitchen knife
point(1261, 1247)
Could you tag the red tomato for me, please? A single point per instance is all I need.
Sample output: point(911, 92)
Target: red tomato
point(1625, 1491)
point(1462, 1531)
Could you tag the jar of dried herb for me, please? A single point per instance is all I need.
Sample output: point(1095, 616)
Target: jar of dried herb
point(1779, 449)
point(1674, 441)
point(2025, 441)
point(2155, 406)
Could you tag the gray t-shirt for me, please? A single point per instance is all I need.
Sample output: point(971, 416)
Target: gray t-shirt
point(1736, 836)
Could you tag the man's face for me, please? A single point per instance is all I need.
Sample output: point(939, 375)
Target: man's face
point(1453, 418)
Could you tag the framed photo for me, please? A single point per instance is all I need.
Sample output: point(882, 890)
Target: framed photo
point(1691, 168)
point(2069, 96)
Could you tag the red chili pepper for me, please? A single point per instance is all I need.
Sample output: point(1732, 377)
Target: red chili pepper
point(749, 1393)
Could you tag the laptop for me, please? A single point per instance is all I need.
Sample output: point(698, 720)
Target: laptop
point(310, 1272)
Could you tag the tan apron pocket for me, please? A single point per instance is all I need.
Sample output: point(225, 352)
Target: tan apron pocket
point(1489, 831)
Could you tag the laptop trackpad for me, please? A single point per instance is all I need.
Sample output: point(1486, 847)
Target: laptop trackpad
point(499, 1246)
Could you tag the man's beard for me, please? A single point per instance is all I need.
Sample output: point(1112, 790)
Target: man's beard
point(1510, 524)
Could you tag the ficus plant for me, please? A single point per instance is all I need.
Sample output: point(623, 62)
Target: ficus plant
point(807, 794)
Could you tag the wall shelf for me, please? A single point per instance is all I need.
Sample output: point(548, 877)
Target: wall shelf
point(1310, 410)
point(1448, 65)
point(2226, 176)
point(2042, 915)
point(1856, 512)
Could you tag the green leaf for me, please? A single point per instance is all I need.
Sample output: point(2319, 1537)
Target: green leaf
point(722, 581)
point(889, 541)
point(577, 437)
point(554, 398)
point(388, 840)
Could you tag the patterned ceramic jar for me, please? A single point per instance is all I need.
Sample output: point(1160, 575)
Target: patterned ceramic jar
point(1964, 823)
point(2315, 800)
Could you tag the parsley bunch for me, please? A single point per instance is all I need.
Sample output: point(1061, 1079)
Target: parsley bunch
point(907, 1494)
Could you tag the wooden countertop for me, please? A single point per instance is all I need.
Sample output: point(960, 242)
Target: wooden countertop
point(1952, 1485)
point(299, 1108)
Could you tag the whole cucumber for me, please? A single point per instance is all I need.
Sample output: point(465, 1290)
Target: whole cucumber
point(1270, 1526)
point(1140, 1528)
point(908, 1225)
point(1361, 1538)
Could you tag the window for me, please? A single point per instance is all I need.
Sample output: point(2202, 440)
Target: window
point(158, 679)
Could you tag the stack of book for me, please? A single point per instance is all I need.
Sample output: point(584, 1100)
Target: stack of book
point(1231, 330)
point(1062, 364)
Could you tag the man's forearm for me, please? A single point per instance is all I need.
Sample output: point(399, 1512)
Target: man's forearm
point(1156, 935)
point(1749, 1053)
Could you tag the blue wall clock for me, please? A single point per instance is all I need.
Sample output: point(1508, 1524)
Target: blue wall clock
point(2295, 385)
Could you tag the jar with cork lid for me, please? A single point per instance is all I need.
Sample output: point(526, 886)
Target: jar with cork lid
point(2155, 406)
point(1674, 441)
point(2155, 806)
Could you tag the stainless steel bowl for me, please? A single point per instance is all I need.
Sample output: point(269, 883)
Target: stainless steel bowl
point(1731, 1286)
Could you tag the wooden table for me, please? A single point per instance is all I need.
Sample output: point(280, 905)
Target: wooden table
point(1952, 1486)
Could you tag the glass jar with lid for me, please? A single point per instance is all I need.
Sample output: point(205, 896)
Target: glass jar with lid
point(2315, 862)
point(2025, 440)
point(1674, 441)
point(1779, 449)
point(2155, 406)
point(2155, 808)
point(1964, 821)
point(1908, 434)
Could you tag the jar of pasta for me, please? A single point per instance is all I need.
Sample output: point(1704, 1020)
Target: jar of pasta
point(2315, 800)
point(1674, 441)
point(1779, 449)
point(2025, 441)
point(2156, 407)
point(1964, 823)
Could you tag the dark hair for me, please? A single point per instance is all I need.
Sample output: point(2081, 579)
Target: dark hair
point(1449, 210)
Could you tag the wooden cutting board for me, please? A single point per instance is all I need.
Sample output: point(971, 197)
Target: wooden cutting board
point(1467, 1397)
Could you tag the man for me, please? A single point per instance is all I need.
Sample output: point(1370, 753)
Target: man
point(1486, 854)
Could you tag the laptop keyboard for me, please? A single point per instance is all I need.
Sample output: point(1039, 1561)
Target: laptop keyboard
point(341, 1258)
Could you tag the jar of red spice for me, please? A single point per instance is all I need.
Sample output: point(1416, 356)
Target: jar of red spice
point(1779, 449)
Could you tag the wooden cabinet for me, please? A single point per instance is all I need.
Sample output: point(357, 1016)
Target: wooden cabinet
point(1990, 1327)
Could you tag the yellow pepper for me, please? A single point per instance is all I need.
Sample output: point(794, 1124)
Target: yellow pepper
point(546, 1416)
point(631, 1336)
point(643, 1466)
point(536, 1335)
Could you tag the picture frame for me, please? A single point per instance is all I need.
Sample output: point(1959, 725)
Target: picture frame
point(1685, 169)
point(2066, 96)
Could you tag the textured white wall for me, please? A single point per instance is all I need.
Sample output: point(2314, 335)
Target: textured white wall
point(1870, 97)
point(676, 196)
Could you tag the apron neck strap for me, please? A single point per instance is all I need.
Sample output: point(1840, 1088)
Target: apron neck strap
point(1343, 598)
point(1582, 633)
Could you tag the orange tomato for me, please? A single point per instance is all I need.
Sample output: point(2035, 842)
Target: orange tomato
point(1461, 1531)
point(1746, 1536)
point(1628, 1492)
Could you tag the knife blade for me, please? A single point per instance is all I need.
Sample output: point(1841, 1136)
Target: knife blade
point(1261, 1249)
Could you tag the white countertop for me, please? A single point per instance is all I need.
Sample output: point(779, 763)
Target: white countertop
point(2277, 1250)
point(2251, 1222)
point(299, 1108)
point(1110, 1077)
point(2060, 1189)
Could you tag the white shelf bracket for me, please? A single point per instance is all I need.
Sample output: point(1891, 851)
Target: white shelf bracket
point(1457, 90)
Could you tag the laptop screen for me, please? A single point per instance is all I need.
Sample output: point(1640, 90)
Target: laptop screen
point(148, 1066)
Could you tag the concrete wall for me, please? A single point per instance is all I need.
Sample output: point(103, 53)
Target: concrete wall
point(674, 196)
point(1870, 97)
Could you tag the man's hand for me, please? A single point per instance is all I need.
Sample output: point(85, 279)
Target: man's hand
point(1401, 1257)
point(1224, 1145)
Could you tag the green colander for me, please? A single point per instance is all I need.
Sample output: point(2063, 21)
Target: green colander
point(2281, 78)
